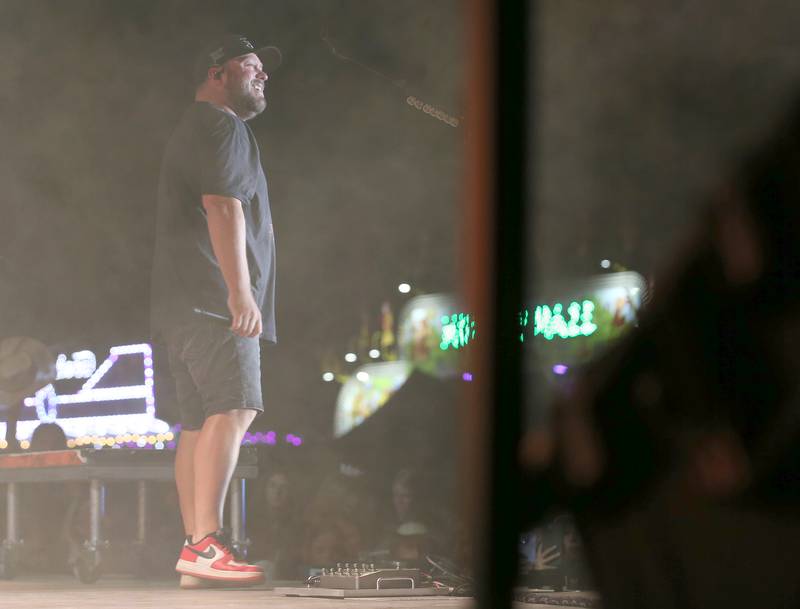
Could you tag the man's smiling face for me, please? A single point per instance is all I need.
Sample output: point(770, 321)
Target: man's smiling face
point(244, 80)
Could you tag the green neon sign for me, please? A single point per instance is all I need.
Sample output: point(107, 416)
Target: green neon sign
point(559, 321)
point(550, 323)
point(457, 330)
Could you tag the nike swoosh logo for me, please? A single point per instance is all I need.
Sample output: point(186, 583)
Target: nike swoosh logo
point(210, 553)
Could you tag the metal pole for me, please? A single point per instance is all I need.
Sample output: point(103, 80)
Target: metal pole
point(12, 522)
point(141, 536)
point(496, 166)
point(476, 255)
point(243, 524)
point(96, 509)
point(511, 203)
point(236, 492)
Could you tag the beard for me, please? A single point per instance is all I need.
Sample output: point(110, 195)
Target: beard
point(245, 100)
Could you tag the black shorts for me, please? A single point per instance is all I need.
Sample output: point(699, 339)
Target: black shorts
point(214, 370)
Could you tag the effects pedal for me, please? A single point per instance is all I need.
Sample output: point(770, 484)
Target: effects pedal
point(363, 576)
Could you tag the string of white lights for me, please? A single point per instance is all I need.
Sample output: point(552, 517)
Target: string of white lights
point(433, 111)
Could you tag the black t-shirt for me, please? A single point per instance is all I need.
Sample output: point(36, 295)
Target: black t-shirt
point(211, 152)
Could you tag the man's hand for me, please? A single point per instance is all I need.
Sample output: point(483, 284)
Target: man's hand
point(245, 315)
point(545, 557)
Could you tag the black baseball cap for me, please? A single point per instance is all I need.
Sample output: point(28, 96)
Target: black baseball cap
point(221, 50)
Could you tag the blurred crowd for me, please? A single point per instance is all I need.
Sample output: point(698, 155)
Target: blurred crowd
point(300, 519)
point(551, 556)
point(301, 522)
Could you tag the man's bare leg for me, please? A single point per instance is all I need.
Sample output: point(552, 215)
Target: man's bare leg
point(215, 455)
point(184, 478)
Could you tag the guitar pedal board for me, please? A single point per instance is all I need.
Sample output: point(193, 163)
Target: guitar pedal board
point(363, 576)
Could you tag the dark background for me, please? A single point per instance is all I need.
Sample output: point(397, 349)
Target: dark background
point(363, 186)
point(636, 113)
point(640, 110)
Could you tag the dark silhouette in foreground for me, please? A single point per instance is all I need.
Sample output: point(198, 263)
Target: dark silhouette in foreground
point(678, 452)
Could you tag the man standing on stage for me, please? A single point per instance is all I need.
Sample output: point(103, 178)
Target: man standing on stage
point(213, 291)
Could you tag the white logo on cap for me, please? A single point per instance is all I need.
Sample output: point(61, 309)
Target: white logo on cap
point(215, 55)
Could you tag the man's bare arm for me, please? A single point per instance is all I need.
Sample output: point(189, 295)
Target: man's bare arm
point(227, 230)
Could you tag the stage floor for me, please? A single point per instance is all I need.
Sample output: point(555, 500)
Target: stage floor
point(62, 592)
point(112, 592)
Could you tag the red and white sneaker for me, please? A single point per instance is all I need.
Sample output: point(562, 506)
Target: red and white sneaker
point(190, 582)
point(211, 558)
